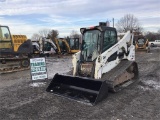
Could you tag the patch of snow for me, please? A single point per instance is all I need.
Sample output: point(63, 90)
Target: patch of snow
point(144, 88)
point(151, 84)
point(151, 59)
point(61, 66)
point(40, 84)
point(154, 84)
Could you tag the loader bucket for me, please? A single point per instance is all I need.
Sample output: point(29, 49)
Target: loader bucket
point(79, 88)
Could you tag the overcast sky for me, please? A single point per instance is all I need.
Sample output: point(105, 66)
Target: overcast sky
point(30, 16)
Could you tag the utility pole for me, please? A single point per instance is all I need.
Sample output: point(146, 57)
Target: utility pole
point(113, 22)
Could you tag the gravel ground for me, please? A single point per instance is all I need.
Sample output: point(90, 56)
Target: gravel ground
point(23, 99)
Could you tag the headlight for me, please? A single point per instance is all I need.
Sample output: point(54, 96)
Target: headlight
point(99, 59)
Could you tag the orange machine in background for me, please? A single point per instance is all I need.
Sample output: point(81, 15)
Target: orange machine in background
point(141, 43)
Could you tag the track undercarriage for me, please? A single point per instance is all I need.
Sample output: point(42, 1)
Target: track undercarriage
point(121, 76)
point(8, 65)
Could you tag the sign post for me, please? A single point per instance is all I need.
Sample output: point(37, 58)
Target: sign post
point(38, 69)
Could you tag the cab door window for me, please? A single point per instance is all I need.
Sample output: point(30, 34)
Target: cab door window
point(5, 33)
point(5, 38)
point(109, 39)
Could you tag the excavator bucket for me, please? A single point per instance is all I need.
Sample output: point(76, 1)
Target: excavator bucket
point(78, 88)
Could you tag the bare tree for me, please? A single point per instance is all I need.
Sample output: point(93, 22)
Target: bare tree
point(53, 34)
point(74, 34)
point(44, 32)
point(151, 36)
point(158, 35)
point(128, 22)
point(35, 36)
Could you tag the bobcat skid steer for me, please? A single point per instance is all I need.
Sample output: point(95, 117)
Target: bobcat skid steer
point(103, 64)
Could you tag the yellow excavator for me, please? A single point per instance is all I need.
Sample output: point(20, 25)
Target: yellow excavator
point(103, 64)
point(64, 46)
point(69, 46)
point(15, 51)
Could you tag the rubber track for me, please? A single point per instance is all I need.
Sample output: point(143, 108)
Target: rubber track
point(13, 70)
point(116, 72)
point(8, 68)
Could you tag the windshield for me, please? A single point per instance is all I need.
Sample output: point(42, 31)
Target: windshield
point(141, 41)
point(74, 43)
point(90, 45)
point(71, 43)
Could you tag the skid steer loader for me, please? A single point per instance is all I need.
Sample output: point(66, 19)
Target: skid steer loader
point(141, 43)
point(103, 64)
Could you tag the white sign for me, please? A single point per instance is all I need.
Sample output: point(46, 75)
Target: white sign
point(38, 68)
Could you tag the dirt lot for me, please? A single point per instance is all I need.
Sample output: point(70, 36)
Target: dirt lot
point(20, 99)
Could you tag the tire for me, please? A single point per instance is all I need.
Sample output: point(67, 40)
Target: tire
point(152, 44)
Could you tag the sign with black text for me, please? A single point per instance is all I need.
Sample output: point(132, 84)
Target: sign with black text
point(38, 68)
